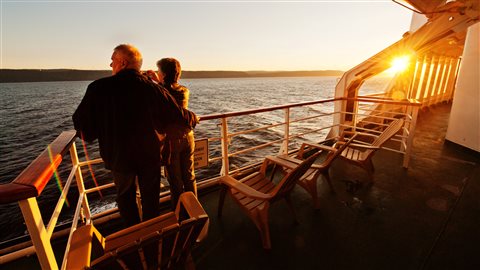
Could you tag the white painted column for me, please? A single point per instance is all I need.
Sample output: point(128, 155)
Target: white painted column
point(464, 123)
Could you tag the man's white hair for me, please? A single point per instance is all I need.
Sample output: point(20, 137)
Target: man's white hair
point(131, 54)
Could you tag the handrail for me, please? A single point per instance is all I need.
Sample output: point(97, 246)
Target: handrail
point(227, 136)
point(388, 101)
point(384, 100)
point(266, 109)
point(32, 180)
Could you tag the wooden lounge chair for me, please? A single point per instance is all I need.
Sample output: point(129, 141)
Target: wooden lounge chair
point(309, 180)
point(360, 154)
point(256, 192)
point(164, 242)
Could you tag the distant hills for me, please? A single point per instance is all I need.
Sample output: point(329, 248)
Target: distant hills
point(49, 75)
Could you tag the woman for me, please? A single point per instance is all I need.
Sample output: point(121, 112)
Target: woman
point(179, 140)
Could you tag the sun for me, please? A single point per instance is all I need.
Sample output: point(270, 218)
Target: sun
point(399, 64)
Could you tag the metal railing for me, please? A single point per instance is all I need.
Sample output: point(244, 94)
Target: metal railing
point(433, 79)
point(290, 130)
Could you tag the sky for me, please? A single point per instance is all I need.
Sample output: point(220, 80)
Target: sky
point(202, 35)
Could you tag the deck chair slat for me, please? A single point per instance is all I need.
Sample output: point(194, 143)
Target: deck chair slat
point(254, 204)
point(250, 203)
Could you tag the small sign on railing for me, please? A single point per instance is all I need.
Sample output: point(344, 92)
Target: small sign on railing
point(201, 153)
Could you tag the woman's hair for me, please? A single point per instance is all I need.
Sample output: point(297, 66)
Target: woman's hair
point(131, 54)
point(171, 69)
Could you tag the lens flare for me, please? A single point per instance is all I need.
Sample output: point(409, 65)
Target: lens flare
point(90, 166)
point(399, 64)
point(59, 182)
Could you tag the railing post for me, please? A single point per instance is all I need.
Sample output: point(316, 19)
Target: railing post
point(286, 136)
point(432, 81)
point(426, 77)
point(403, 144)
point(355, 114)
point(415, 86)
point(38, 233)
point(79, 179)
point(225, 143)
point(440, 80)
point(453, 79)
point(411, 133)
point(448, 72)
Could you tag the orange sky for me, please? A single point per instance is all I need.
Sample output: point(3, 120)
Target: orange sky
point(203, 35)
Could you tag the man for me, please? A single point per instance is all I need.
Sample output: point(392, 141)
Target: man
point(124, 112)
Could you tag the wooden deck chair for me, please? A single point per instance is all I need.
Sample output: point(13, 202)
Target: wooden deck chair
point(309, 180)
point(256, 192)
point(163, 242)
point(361, 154)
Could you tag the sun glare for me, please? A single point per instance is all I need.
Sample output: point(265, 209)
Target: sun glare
point(399, 64)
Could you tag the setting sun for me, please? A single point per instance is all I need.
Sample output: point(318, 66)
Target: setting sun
point(399, 64)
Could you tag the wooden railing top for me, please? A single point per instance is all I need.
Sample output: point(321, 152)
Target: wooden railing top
point(32, 180)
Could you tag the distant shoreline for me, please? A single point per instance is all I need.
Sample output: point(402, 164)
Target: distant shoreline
point(49, 75)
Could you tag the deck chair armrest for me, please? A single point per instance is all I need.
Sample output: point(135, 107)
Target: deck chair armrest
point(319, 146)
point(137, 231)
point(360, 145)
point(191, 205)
point(364, 146)
point(345, 132)
point(322, 147)
point(269, 160)
point(359, 133)
point(319, 166)
point(81, 246)
point(242, 188)
point(329, 140)
point(285, 162)
point(295, 161)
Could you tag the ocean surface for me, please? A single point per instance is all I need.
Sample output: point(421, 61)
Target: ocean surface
point(32, 115)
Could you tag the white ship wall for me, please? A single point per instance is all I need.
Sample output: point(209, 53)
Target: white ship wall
point(418, 20)
point(464, 123)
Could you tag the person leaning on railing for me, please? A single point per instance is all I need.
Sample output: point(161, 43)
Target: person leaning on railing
point(124, 112)
point(179, 141)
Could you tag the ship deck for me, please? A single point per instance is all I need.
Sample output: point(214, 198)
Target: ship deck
point(423, 217)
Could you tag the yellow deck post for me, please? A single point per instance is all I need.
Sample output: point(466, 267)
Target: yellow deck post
point(38, 233)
